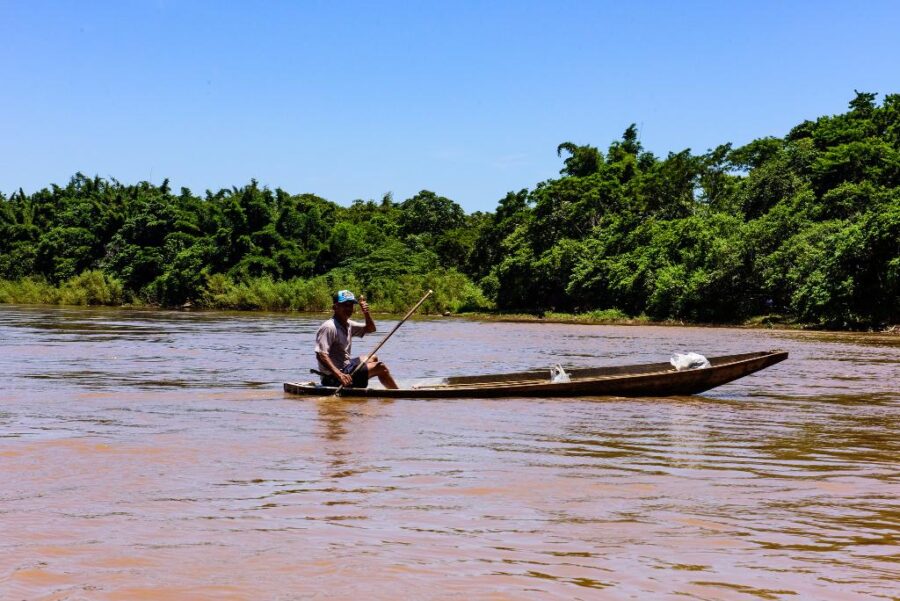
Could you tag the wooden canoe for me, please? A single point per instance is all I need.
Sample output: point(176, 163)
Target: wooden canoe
point(649, 379)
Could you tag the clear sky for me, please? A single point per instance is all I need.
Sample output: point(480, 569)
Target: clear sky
point(352, 100)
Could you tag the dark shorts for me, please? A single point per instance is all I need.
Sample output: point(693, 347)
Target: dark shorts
point(360, 378)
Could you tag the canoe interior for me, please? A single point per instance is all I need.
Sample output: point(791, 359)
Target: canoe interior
point(592, 372)
point(651, 379)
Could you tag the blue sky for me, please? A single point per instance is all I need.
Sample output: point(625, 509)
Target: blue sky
point(352, 100)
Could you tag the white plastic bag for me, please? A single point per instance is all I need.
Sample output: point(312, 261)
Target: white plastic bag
point(558, 374)
point(685, 361)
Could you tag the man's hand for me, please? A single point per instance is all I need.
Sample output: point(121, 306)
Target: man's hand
point(345, 379)
point(363, 306)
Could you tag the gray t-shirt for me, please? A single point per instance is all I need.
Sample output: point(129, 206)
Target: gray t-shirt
point(333, 340)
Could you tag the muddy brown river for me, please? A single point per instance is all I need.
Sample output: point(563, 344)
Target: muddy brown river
point(148, 455)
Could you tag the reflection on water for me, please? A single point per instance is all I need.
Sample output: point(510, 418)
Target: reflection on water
point(152, 455)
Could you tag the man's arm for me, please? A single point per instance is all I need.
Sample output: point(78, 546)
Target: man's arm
point(364, 307)
point(343, 378)
point(324, 340)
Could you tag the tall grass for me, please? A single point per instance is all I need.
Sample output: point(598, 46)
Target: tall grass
point(92, 288)
point(598, 316)
point(88, 288)
point(266, 294)
point(453, 292)
point(28, 291)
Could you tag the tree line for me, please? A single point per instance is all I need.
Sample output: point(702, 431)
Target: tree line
point(804, 228)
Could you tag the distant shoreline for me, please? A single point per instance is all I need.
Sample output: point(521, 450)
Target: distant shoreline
point(755, 323)
point(765, 322)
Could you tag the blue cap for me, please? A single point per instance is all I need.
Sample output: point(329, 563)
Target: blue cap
point(344, 296)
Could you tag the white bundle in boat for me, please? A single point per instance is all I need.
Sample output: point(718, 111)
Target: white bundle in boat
point(425, 383)
point(683, 361)
point(558, 375)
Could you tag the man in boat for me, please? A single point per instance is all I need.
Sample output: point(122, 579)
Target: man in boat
point(333, 341)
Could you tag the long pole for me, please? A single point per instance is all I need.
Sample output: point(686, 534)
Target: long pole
point(385, 339)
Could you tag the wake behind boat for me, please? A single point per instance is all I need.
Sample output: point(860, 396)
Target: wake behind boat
point(649, 379)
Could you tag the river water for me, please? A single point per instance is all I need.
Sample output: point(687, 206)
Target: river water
point(153, 455)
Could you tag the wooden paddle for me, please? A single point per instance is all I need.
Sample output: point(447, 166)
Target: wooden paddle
point(385, 339)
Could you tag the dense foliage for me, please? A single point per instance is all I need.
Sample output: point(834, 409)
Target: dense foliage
point(804, 227)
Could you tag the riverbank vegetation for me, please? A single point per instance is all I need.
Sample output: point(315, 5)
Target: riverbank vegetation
point(803, 228)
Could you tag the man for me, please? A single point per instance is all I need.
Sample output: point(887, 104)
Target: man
point(333, 341)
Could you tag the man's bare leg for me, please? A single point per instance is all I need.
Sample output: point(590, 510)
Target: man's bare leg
point(381, 371)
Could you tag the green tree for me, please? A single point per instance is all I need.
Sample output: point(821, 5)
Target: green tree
point(428, 213)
